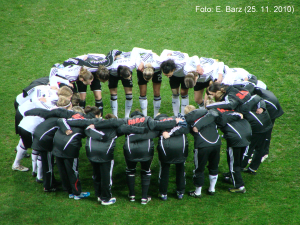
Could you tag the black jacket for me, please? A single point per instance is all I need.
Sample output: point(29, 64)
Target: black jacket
point(204, 121)
point(175, 148)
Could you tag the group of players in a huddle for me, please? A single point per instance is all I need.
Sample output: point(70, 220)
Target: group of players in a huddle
point(52, 118)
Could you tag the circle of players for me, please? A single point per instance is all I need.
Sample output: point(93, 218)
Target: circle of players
point(52, 118)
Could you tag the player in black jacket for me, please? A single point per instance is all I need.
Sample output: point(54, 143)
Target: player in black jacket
point(66, 146)
point(237, 133)
point(43, 140)
point(207, 145)
point(172, 149)
point(254, 110)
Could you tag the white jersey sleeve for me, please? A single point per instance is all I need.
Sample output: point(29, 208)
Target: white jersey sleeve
point(124, 59)
point(180, 59)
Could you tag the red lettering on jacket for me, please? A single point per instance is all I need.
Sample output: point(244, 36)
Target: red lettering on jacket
point(166, 119)
point(136, 120)
point(242, 94)
point(77, 116)
point(224, 110)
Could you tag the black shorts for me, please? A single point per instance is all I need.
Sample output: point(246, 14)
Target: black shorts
point(26, 137)
point(156, 78)
point(95, 85)
point(175, 82)
point(201, 85)
point(113, 82)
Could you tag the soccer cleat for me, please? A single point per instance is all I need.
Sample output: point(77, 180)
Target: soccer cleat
point(227, 178)
point(82, 195)
point(180, 196)
point(131, 198)
point(237, 190)
point(144, 201)
point(27, 155)
point(20, 168)
point(249, 170)
point(109, 202)
point(163, 197)
point(71, 196)
point(264, 158)
point(34, 174)
point(210, 192)
point(50, 190)
point(193, 194)
point(40, 181)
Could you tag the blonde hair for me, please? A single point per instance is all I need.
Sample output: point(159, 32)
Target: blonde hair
point(148, 72)
point(63, 102)
point(65, 91)
point(78, 109)
point(210, 100)
point(189, 108)
point(189, 79)
point(75, 99)
point(110, 116)
point(85, 74)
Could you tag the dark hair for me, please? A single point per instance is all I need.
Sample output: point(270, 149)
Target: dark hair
point(110, 116)
point(92, 109)
point(102, 73)
point(124, 71)
point(168, 66)
point(217, 87)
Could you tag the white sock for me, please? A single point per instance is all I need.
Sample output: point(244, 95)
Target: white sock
point(175, 104)
point(184, 103)
point(39, 168)
point(20, 154)
point(143, 104)
point(128, 105)
point(156, 105)
point(213, 181)
point(34, 156)
point(114, 104)
point(198, 190)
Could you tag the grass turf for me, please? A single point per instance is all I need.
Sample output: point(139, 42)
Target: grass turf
point(37, 34)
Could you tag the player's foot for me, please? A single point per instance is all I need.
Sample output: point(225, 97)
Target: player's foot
point(20, 168)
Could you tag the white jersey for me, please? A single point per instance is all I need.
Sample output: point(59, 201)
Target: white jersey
point(20, 99)
point(180, 59)
point(211, 69)
point(69, 70)
point(29, 123)
point(124, 59)
point(147, 57)
point(234, 75)
point(41, 91)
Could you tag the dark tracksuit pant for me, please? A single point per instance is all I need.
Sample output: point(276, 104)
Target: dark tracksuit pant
point(201, 157)
point(48, 174)
point(258, 143)
point(164, 177)
point(103, 179)
point(234, 159)
point(145, 176)
point(68, 171)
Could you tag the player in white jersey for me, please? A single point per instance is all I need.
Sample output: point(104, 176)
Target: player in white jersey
point(174, 64)
point(121, 69)
point(43, 96)
point(95, 64)
point(237, 75)
point(212, 71)
point(148, 68)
